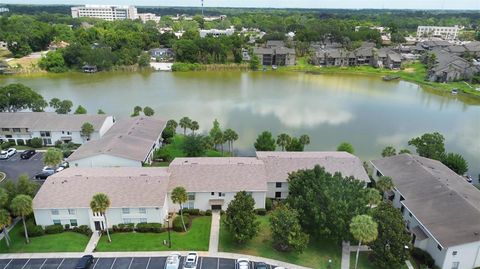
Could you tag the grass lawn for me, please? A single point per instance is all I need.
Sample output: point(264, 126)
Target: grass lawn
point(316, 255)
point(63, 242)
point(27, 147)
point(196, 238)
point(364, 263)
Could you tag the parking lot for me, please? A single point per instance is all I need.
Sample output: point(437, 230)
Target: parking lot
point(114, 263)
point(15, 166)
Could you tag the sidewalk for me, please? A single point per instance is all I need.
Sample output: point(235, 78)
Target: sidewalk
point(214, 232)
point(345, 255)
point(92, 244)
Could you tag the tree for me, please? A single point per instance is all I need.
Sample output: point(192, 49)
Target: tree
point(429, 145)
point(326, 203)
point(456, 162)
point(53, 62)
point(265, 142)
point(185, 123)
point(283, 140)
point(384, 184)
point(295, 145)
point(100, 112)
point(194, 145)
point(179, 196)
point(304, 140)
point(148, 111)
point(22, 206)
point(144, 60)
point(216, 134)
point(80, 110)
point(373, 197)
point(389, 151)
point(52, 157)
point(241, 219)
point(25, 186)
point(172, 124)
point(194, 126)
point(404, 151)
point(14, 97)
point(287, 233)
point(3, 198)
point(87, 130)
point(167, 134)
point(136, 111)
point(389, 249)
point(61, 106)
point(5, 221)
point(254, 62)
point(364, 230)
point(100, 204)
point(230, 136)
point(347, 147)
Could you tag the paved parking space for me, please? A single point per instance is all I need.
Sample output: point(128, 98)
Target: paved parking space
point(113, 263)
point(15, 166)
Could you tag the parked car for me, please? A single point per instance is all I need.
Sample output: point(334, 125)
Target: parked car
point(48, 169)
point(60, 168)
point(5, 154)
point(43, 174)
point(191, 261)
point(27, 154)
point(85, 262)
point(261, 265)
point(173, 261)
point(242, 263)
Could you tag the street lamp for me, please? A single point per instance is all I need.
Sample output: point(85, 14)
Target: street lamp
point(169, 239)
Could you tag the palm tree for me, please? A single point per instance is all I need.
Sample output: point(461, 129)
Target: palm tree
point(172, 123)
point(305, 139)
point(100, 203)
point(185, 123)
point(230, 136)
point(22, 206)
point(373, 196)
point(5, 221)
point(283, 140)
point(179, 196)
point(3, 197)
point(364, 229)
point(194, 126)
point(384, 184)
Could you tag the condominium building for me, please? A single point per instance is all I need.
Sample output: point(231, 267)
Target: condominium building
point(144, 17)
point(105, 12)
point(447, 33)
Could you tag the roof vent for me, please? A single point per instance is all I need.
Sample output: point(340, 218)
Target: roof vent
point(143, 175)
point(78, 175)
point(475, 233)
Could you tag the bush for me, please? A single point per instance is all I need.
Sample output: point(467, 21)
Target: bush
point(34, 230)
point(423, 257)
point(208, 212)
point(123, 228)
point(54, 229)
point(261, 211)
point(193, 212)
point(7, 145)
point(202, 213)
point(268, 204)
point(83, 229)
point(67, 227)
point(150, 228)
point(177, 223)
point(36, 142)
point(184, 67)
point(20, 142)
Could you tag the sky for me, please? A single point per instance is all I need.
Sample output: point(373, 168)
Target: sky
point(350, 4)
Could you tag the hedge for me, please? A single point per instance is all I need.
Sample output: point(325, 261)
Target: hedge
point(423, 257)
point(261, 211)
point(54, 229)
point(177, 223)
point(83, 229)
point(34, 230)
point(268, 204)
point(6, 145)
point(208, 212)
point(150, 228)
point(123, 228)
point(36, 142)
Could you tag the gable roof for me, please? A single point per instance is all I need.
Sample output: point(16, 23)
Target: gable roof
point(126, 187)
point(131, 138)
point(50, 121)
point(279, 164)
point(446, 204)
point(218, 174)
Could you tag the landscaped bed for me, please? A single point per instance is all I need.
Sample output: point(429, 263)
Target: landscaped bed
point(61, 242)
point(196, 238)
point(316, 255)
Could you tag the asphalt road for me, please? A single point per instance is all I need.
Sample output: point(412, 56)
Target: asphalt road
point(114, 263)
point(15, 166)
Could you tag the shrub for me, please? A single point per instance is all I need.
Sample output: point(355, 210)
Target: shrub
point(123, 228)
point(261, 211)
point(423, 257)
point(194, 212)
point(36, 142)
point(208, 212)
point(150, 228)
point(7, 145)
point(34, 230)
point(184, 67)
point(54, 229)
point(83, 229)
point(177, 223)
point(202, 213)
point(268, 204)
point(67, 226)
point(20, 142)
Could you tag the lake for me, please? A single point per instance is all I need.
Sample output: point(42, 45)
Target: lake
point(363, 110)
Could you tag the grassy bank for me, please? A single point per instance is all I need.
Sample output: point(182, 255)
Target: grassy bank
point(186, 67)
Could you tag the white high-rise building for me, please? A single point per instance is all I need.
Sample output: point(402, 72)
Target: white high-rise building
point(447, 33)
point(105, 12)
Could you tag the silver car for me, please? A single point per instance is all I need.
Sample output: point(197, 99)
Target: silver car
point(173, 261)
point(242, 263)
point(191, 261)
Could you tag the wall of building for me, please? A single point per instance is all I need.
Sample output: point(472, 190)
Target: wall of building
point(272, 190)
point(104, 160)
point(202, 200)
point(107, 124)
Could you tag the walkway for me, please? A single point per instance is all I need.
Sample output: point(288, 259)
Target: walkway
point(214, 232)
point(92, 244)
point(345, 255)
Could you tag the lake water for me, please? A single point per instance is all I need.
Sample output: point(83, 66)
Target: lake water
point(365, 111)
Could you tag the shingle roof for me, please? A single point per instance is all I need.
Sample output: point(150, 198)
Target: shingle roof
point(218, 174)
point(279, 164)
point(275, 43)
point(446, 204)
point(131, 138)
point(126, 187)
point(50, 121)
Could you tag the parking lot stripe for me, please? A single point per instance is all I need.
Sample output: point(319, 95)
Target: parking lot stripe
point(60, 263)
point(7, 264)
point(113, 263)
point(130, 263)
point(43, 263)
point(96, 260)
point(218, 263)
point(201, 260)
point(148, 263)
point(26, 263)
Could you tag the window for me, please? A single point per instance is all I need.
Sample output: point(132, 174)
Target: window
point(221, 194)
point(47, 141)
point(44, 134)
point(126, 210)
point(191, 197)
point(455, 265)
point(402, 209)
point(57, 222)
point(454, 253)
point(71, 212)
point(402, 198)
point(409, 214)
point(142, 210)
point(379, 174)
point(212, 193)
point(16, 130)
point(278, 194)
point(143, 220)
point(439, 247)
point(278, 184)
point(6, 129)
point(55, 212)
point(127, 221)
point(73, 222)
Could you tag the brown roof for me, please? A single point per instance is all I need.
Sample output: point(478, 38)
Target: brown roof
point(445, 203)
point(49, 121)
point(279, 164)
point(131, 138)
point(126, 187)
point(218, 174)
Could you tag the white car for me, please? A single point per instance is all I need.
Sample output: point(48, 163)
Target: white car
point(5, 154)
point(173, 261)
point(191, 261)
point(242, 263)
point(48, 169)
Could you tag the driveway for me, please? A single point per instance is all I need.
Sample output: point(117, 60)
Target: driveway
point(15, 166)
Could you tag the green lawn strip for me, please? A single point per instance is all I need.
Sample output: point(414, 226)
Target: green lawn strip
point(63, 242)
point(364, 263)
point(27, 147)
point(196, 238)
point(316, 255)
